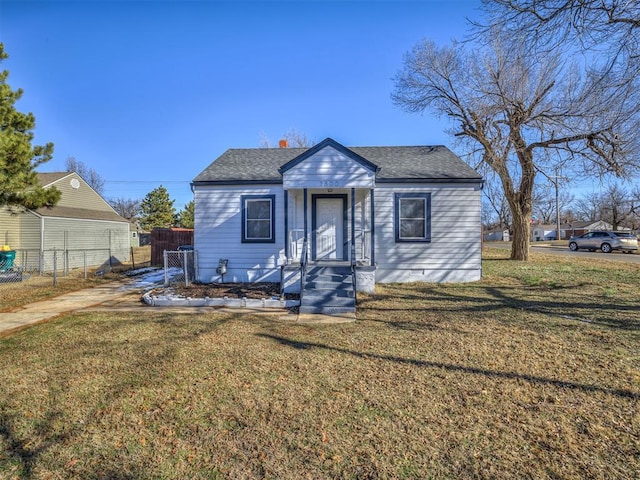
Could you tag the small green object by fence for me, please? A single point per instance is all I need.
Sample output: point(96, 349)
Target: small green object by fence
point(7, 258)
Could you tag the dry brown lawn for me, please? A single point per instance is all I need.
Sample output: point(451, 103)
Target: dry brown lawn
point(38, 287)
point(534, 372)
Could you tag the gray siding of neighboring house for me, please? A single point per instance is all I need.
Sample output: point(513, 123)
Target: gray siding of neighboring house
point(19, 230)
point(454, 253)
point(9, 228)
point(93, 241)
point(218, 235)
point(35, 235)
point(82, 197)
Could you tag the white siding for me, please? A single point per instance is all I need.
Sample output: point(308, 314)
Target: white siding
point(454, 253)
point(328, 169)
point(296, 219)
point(218, 235)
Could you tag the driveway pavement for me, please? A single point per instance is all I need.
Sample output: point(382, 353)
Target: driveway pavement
point(107, 296)
point(564, 251)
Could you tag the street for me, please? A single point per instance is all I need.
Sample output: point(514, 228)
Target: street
point(564, 250)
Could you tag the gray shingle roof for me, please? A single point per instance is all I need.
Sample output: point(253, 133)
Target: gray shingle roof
point(260, 165)
point(79, 213)
point(48, 178)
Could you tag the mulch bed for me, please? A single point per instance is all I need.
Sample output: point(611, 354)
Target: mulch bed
point(232, 290)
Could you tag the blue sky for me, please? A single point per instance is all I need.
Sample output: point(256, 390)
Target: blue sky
point(150, 92)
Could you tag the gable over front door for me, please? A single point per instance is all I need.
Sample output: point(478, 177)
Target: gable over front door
point(329, 225)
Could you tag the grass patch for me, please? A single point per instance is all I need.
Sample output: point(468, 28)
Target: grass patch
point(37, 288)
point(40, 287)
point(499, 378)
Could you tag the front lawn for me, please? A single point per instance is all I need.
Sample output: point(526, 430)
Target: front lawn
point(534, 372)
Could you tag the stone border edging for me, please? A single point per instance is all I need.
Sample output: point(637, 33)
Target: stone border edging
point(168, 301)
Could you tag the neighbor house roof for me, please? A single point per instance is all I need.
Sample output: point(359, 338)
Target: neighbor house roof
point(48, 178)
point(79, 213)
point(58, 211)
point(418, 163)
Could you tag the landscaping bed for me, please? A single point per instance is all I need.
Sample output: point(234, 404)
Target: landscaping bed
point(238, 295)
point(232, 290)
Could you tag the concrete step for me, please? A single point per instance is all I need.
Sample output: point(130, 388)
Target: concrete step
point(327, 310)
point(328, 290)
point(330, 270)
point(314, 298)
point(325, 285)
point(329, 278)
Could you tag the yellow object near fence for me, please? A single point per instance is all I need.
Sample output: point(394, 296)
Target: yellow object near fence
point(5, 248)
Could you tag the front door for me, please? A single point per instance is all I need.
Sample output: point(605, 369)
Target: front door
point(328, 227)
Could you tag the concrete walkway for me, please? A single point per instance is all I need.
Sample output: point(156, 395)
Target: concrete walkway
point(117, 296)
point(108, 295)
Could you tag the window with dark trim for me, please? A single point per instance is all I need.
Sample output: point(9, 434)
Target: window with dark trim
point(413, 217)
point(258, 218)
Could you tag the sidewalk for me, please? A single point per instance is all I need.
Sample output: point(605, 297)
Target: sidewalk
point(126, 297)
point(88, 298)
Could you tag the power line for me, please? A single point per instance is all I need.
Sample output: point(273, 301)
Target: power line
point(147, 181)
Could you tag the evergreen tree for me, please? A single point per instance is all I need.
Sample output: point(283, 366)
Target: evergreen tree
point(156, 210)
point(186, 216)
point(18, 158)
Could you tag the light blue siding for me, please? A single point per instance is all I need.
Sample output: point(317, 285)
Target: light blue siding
point(454, 253)
point(328, 169)
point(218, 235)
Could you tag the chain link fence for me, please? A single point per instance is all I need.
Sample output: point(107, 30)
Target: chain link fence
point(66, 251)
point(55, 263)
point(180, 266)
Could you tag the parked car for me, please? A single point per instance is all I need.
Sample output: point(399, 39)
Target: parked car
point(605, 241)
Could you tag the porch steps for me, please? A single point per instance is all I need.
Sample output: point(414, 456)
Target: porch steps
point(328, 290)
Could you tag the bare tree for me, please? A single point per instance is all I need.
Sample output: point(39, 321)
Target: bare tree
point(617, 207)
point(128, 208)
point(587, 208)
point(89, 175)
point(544, 204)
point(495, 206)
point(606, 26)
point(514, 109)
point(293, 137)
point(634, 221)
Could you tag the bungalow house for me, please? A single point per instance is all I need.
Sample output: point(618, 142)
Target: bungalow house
point(82, 229)
point(387, 214)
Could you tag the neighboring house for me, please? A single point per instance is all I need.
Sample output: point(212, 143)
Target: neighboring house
point(82, 228)
point(542, 232)
point(497, 235)
point(397, 214)
point(549, 232)
point(578, 228)
point(135, 238)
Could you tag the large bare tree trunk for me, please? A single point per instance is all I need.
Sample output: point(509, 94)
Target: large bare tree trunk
point(521, 236)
